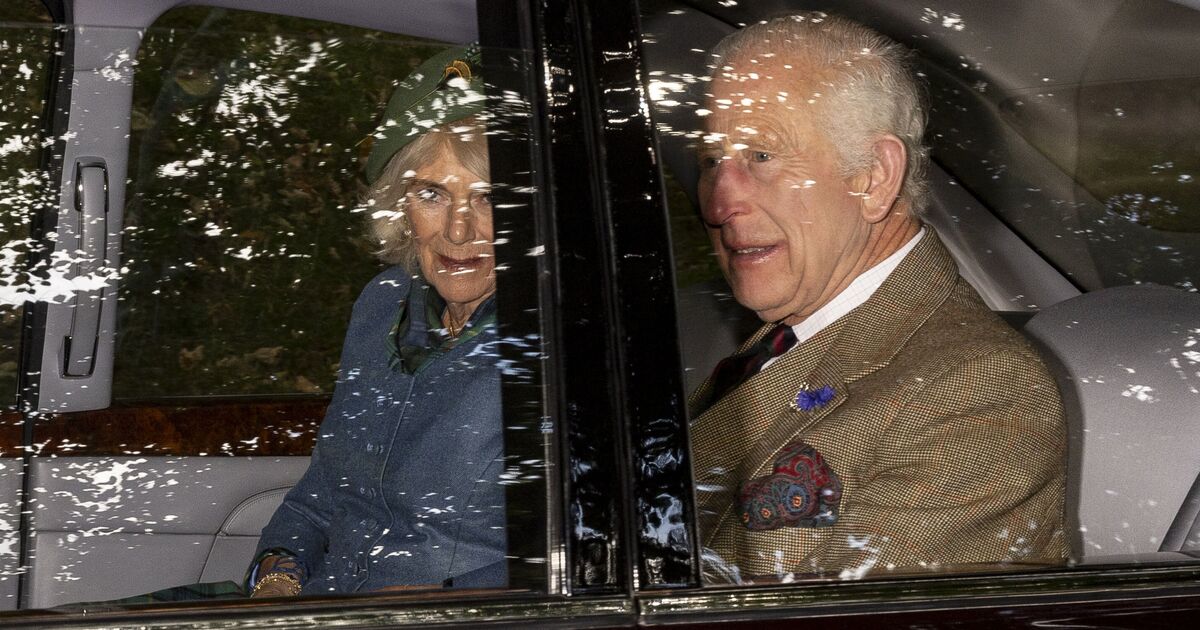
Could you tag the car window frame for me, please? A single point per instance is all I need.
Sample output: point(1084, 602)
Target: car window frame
point(499, 29)
point(1042, 589)
point(625, 350)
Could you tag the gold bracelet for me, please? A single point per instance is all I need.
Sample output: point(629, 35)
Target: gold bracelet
point(271, 578)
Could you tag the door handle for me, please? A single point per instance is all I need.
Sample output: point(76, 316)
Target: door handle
point(91, 205)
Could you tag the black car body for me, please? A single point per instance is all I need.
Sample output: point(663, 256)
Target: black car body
point(595, 188)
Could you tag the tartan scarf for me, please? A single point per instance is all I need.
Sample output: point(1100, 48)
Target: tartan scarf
point(414, 341)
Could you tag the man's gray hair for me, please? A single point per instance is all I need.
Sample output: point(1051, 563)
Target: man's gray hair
point(874, 88)
point(389, 228)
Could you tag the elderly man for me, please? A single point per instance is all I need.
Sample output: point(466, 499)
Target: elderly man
point(883, 418)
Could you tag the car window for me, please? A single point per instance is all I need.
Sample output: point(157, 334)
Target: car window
point(27, 44)
point(1060, 185)
point(1119, 205)
point(251, 303)
point(244, 201)
point(25, 54)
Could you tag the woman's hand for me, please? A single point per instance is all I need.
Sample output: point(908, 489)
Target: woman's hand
point(276, 585)
point(279, 576)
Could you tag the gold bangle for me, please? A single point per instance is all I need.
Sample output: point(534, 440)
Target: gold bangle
point(271, 578)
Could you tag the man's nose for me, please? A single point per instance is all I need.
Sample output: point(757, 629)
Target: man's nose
point(460, 224)
point(727, 193)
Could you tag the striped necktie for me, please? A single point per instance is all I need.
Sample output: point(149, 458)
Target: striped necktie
point(734, 370)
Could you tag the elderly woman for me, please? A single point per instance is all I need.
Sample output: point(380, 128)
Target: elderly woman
point(402, 488)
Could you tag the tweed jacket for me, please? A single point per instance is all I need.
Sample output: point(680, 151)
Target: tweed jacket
point(945, 428)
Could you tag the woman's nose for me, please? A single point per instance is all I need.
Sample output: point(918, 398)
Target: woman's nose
point(460, 224)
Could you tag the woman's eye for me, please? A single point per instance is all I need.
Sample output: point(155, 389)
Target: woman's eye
point(429, 195)
point(709, 161)
point(759, 156)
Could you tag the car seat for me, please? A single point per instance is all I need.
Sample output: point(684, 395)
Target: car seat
point(1127, 360)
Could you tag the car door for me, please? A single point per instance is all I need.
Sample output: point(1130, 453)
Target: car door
point(155, 450)
point(199, 257)
point(27, 58)
point(1044, 151)
point(602, 530)
point(132, 431)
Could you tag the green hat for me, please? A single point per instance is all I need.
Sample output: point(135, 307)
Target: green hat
point(446, 88)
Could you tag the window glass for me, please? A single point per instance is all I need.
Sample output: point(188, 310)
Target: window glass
point(310, 362)
point(25, 44)
point(1048, 169)
point(245, 201)
point(1120, 204)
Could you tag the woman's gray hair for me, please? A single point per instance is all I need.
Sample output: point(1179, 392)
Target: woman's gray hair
point(389, 226)
point(874, 88)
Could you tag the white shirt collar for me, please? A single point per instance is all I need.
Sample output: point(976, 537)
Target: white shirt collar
point(858, 291)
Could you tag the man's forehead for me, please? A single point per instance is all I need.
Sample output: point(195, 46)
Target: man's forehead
point(745, 130)
point(754, 67)
point(781, 82)
point(743, 113)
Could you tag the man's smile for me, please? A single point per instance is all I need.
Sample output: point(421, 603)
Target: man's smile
point(748, 251)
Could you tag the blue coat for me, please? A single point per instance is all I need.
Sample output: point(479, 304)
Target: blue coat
point(403, 484)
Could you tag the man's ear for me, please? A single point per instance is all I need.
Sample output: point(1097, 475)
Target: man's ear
point(886, 176)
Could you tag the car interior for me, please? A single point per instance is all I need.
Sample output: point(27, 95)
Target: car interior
point(1015, 126)
point(106, 527)
point(1024, 236)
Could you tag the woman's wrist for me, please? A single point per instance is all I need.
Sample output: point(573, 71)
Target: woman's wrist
point(276, 584)
point(277, 573)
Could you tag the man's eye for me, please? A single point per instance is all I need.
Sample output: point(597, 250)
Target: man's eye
point(759, 156)
point(709, 161)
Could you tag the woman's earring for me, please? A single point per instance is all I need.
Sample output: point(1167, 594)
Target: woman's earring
point(408, 232)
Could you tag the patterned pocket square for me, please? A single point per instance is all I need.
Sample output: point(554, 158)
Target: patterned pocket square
point(801, 491)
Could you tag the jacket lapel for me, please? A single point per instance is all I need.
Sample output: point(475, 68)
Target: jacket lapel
point(792, 422)
point(879, 328)
point(701, 392)
point(747, 428)
point(766, 444)
point(727, 432)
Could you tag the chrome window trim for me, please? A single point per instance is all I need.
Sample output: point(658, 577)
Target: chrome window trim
point(962, 591)
point(354, 611)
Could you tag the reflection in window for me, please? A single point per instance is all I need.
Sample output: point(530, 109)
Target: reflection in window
point(244, 210)
point(1095, 171)
point(245, 247)
point(1098, 171)
point(25, 47)
point(1140, 151)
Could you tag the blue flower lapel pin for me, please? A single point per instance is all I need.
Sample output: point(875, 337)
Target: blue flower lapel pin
point(808, 399)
